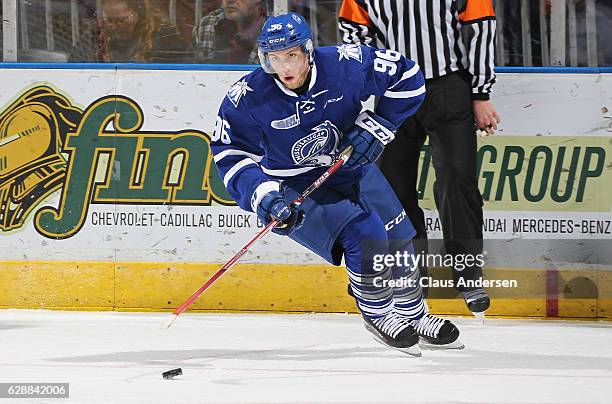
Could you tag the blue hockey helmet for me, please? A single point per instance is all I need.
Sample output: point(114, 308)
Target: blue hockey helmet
point(282, 32)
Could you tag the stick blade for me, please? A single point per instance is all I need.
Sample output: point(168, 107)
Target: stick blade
point(170, 320)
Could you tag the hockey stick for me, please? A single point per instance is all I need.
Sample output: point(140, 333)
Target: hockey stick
point(339, 162)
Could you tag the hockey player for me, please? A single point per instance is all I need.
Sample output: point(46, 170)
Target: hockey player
point(281, 125)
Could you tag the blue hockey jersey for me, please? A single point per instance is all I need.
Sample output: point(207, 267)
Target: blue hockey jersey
point(265, 132)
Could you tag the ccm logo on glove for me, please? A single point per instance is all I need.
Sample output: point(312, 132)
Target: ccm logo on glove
point(382, 133)
point(368, 137)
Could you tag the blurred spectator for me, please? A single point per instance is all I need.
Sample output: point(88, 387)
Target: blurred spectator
point(131, 31)
point(210, 5)
point(229, 34)
point(185, 12)
point(137, 31)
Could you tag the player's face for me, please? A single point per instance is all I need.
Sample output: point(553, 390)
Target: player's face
point(291, 65)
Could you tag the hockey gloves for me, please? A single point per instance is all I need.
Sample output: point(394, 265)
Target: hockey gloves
point(274, 205)
point(368, 137)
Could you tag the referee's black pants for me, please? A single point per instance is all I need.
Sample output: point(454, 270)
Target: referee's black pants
point(446, 117)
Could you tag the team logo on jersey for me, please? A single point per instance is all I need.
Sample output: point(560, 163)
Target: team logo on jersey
point(306, 106)
point(239, 89)
point(319, 147)
point(349, 52)
point(302, 107)
point(289, 122)
point(332, 100)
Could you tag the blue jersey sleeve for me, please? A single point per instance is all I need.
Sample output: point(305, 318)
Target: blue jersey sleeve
point(398, 82)
point(237, 148)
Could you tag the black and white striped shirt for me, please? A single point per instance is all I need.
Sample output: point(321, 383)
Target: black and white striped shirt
point(442, 36)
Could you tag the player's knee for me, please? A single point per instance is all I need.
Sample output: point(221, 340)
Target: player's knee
point(363, 238)
point(367, 226)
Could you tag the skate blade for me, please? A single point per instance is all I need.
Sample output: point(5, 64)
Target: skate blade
point(480, 317)
point(457, 344)
point(413, 351)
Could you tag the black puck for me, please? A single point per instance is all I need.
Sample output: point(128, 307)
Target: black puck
point(172, 373)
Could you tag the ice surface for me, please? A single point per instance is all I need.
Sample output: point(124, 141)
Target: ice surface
point(316, 358)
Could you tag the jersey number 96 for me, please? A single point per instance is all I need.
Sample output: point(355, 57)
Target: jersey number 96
point(220, 133)
point(385, 61)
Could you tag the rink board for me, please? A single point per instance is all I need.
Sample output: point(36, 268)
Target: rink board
point(124, 209)
point(280, 288)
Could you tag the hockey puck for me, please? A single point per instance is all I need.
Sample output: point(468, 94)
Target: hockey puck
point(172, 373)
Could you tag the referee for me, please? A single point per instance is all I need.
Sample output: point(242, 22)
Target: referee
point(453, 42)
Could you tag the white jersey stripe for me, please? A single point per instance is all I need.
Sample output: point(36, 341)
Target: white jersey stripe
point(287, 172)
point(415, 69)
point(234, 152)
point(232, 171)
point(405, 94)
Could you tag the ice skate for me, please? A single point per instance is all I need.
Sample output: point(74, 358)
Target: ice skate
point(477, 302)
point(436, 332)
point(392, 330)
point(395, 331)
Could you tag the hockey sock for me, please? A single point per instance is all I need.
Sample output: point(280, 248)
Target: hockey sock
point(362, 240)
point(407, 294)
point(372, 301)
point(474, 295)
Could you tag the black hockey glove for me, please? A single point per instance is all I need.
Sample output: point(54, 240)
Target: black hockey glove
point(273, 205)
point(368, 137)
